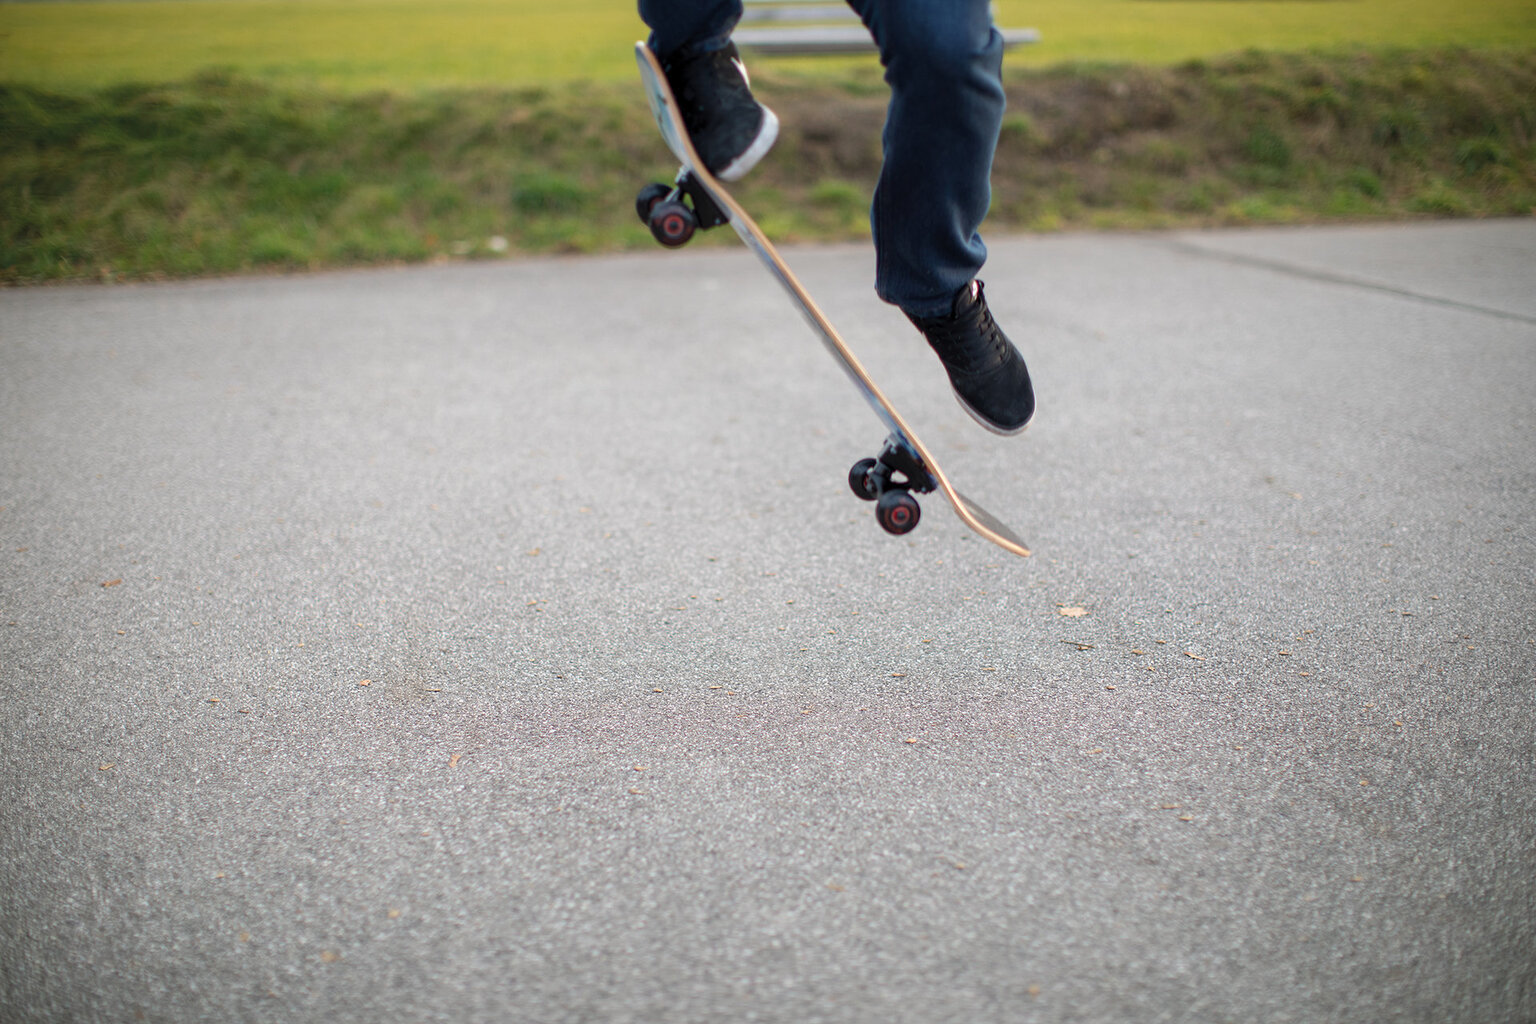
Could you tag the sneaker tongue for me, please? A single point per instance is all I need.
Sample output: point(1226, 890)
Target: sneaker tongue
point(965, 298)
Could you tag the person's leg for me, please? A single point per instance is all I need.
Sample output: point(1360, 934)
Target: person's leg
point(687, 28)
point(943, 61)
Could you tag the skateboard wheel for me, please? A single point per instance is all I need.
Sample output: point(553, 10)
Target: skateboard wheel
point(672, 223)
point(649, 196)
point(897, 512)
point(859, 479)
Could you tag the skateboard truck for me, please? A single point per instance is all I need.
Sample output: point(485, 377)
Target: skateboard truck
point(888, 480)
point(673, 220)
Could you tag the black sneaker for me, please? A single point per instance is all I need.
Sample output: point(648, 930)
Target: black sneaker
point(986, 370)
point(730, 130)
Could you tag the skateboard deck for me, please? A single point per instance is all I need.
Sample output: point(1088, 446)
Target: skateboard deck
point(697, 200)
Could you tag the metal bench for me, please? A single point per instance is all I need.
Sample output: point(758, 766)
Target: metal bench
point(815, 27)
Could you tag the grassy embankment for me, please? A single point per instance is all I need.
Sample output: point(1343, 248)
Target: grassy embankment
point(407, 46)
point(231, 171)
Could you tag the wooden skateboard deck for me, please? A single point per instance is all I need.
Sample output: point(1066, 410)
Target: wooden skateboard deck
point(697, 199)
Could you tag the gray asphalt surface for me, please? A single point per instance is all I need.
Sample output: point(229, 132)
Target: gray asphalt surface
point(500, 642)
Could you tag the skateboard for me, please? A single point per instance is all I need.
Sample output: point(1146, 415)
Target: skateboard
point(696, 200)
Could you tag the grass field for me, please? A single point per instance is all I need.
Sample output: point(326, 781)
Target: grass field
point(408, 45)
point(220, 174)
point(151, 138)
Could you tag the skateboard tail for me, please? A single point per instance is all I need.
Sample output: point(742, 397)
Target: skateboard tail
point(992, 523)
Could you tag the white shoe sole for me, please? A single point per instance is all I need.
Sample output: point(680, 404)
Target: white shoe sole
point(989, 425)
point(766, 137)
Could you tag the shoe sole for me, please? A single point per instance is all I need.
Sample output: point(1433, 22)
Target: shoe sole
point(989, 425)
point(766, 137)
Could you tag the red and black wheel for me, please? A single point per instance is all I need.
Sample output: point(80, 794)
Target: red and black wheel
point(672, 223)
point(897, 512)
point(649, 196)
point(860, 481)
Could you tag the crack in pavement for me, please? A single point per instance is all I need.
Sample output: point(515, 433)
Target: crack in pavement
point(1333, 277)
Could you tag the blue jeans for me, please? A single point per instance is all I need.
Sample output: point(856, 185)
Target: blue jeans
point(943, 61)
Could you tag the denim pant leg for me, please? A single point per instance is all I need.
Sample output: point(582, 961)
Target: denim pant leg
point(943, 61)
point(694, 26)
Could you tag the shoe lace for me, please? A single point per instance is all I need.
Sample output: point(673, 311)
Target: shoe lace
point(972, 337)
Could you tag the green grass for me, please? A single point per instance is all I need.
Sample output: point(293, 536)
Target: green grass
point(333, 132)
point(1171, 31)
point(346, 45)
point(1267, 138)
point(221, 173)
point(413, 45)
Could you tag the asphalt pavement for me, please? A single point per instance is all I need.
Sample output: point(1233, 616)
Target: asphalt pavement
point(501, 642)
